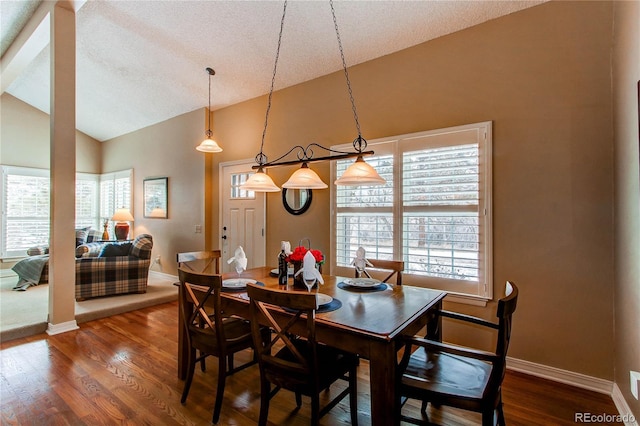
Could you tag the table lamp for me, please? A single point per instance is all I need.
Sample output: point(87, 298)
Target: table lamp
point(122, 217)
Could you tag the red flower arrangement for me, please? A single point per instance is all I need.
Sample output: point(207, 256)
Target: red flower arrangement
point(300, 251)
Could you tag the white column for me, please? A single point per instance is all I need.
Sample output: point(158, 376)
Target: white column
point(63, 167)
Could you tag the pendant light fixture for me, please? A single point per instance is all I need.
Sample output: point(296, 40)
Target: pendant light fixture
point(209, 145)
point(359, 173)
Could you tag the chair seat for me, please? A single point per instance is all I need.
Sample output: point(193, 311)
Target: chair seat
point(333, 364)
point(447, 374)
point(237, 332)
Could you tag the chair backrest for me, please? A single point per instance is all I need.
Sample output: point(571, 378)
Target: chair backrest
point(209, 256)
point(299, 368)
point(198, 289)
point(395, 266)
point(504, 313)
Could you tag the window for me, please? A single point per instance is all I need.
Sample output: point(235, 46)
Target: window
point(115, 192)
point(433, 212)
point(237, 179)
point(25, 209)
point(24, 198)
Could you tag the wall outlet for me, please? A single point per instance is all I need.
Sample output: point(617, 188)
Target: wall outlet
point(198, 229)
point(635, 379)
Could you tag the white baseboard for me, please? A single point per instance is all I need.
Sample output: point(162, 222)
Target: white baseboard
point(163, 275)
point(562, 376)
point(623, 407)
point(62, 327)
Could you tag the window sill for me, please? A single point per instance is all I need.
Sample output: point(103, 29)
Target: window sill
point(466, 299)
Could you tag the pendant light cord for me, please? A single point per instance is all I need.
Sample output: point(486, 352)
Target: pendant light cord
point(261, 158)
point(359, 143)
point(209, 133)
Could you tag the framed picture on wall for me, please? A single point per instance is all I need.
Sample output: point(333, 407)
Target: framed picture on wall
point(155, 197)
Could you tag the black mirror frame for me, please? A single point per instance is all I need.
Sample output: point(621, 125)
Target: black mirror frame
point(302, 209)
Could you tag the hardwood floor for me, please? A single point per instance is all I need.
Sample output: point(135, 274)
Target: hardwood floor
point(122, 370)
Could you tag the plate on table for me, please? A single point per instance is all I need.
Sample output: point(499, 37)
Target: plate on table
point(237, 283)
point(323, 299)
point(275, 271)
point(362, 282)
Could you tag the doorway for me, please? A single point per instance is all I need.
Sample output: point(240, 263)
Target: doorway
point(242, 216)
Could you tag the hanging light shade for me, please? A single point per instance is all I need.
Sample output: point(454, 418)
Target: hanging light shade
point(209, 145)
point(360, 173)
point(304, 178)
point(260, 182)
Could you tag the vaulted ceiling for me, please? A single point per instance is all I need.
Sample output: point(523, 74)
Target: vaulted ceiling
point(143, 62)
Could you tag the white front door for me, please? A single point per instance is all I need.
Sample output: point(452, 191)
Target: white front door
point(242, 216)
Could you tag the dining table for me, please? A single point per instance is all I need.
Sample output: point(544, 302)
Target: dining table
point(361, 321)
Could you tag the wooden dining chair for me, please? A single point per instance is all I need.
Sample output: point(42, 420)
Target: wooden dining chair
point(395, 266)
point(301, 365)
point(457, 376)
point(188, 261)
point(211, 256)
point(209, 331)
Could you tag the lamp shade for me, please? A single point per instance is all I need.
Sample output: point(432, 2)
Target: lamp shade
point(305, 178)
point(209, 145)
point(260, 182)
point(360, 173)
point(122, 215)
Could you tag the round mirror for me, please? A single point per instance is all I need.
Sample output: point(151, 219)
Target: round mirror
point(296, 201)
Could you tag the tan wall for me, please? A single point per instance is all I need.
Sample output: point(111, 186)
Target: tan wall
point(166, 149)
point(24, 138)
point(542, 76)
point(626, 78)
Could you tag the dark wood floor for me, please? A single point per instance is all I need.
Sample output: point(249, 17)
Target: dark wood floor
point(122, 370)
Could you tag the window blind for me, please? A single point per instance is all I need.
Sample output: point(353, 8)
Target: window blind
point(433, 213)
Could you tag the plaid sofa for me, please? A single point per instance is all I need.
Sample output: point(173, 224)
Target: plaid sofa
point(108, 276)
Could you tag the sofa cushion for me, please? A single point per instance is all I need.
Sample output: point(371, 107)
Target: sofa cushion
point(89, 250)
point(142, 246)
point(38, 250)
point(94, 235)
point(115, 249)
point(81, 236)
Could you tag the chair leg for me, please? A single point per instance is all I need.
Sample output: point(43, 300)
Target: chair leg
point(298, 399)
point(203, 364)
point(230, 360)
point(222, 376)
point(487, 418)
point(190, 371)
point(353, 395)
point(501, 421)
point(315, 409)
point(265, 392)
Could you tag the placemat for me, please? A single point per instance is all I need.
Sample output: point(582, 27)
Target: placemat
point(240, 289)
point(379, 287)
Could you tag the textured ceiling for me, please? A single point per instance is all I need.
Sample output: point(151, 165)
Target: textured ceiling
point(143, 62)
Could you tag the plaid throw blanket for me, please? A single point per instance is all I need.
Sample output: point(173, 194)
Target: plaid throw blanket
point(29, 271)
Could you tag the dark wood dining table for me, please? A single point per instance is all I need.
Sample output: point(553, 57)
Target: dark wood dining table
point(368, 324)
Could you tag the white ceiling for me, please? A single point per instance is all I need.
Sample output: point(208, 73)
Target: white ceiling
point(143, 62)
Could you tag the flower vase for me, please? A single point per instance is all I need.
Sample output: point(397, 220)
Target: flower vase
point(297, 279)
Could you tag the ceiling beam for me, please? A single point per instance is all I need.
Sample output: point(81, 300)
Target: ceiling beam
point(31, 40)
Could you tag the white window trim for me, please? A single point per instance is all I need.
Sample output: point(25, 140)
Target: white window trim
point(485, 287)
point(31, 171)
